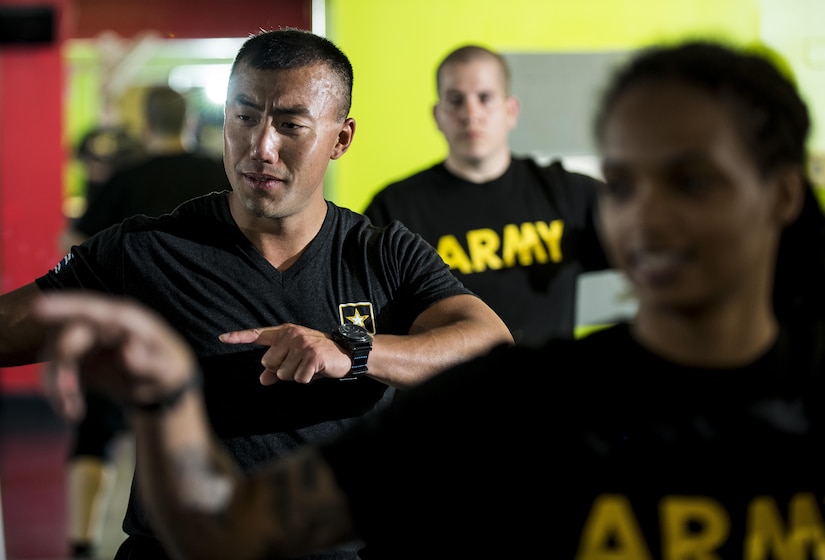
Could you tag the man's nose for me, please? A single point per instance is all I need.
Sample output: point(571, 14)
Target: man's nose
point(471, 109)
point(265, 145)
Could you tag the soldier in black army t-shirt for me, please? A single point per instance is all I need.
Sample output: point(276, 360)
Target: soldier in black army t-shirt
point(516, 233)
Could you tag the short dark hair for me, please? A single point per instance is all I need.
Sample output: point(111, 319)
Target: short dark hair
point(297, 48)
point(771, 116)
point(469, 53)
point(165, 110)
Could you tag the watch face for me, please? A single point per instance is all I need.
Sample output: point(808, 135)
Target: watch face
point(354, 332)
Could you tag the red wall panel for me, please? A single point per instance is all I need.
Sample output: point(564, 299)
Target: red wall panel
point(188, 19)
point(32, 157)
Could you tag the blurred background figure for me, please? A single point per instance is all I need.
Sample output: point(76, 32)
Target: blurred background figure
point(125, 176)
point(173, 171)
point(517, 233)
point(100, 153)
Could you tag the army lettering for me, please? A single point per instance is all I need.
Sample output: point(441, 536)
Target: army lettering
point(612, 530)
point(532, 242)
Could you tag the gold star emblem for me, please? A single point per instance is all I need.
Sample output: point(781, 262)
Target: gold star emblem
point(358, 319)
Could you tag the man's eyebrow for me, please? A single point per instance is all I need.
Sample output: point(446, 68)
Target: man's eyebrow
point(297, 110)
point(245, 101)
point(475, 92)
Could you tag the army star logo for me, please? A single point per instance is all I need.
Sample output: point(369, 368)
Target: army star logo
point(360, 314)
point(358, 319)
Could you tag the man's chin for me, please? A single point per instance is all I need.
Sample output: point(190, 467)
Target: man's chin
point(472, 157)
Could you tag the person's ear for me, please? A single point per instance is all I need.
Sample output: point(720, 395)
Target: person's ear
point(345, 135)
point(435, 116)
point(790, 194)
point(513, 105)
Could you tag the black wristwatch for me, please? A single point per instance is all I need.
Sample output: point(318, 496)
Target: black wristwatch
point(357, 342)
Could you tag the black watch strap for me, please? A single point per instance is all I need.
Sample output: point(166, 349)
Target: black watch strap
point(359, 361)
point(357, 342)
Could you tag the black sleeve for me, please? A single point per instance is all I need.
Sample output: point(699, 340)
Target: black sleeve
point(95, 265)
point(584, 190)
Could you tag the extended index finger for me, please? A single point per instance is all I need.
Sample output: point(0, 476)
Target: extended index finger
point(247, 336)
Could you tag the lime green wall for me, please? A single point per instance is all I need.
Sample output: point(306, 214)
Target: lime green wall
point(83, 103)
point(394, 47)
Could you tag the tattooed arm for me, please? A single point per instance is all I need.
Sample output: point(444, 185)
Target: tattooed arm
point(200, 504)
point(203, 508)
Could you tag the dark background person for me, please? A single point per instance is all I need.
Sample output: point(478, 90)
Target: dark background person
point(172, 173)
point(269, 281)
point(708, 441)
point(101, 152)
point(152, 177)
point(516, 233)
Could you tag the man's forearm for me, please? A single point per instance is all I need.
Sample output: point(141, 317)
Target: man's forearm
point(21, 336)
point(450, 332)
point(185, 479)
